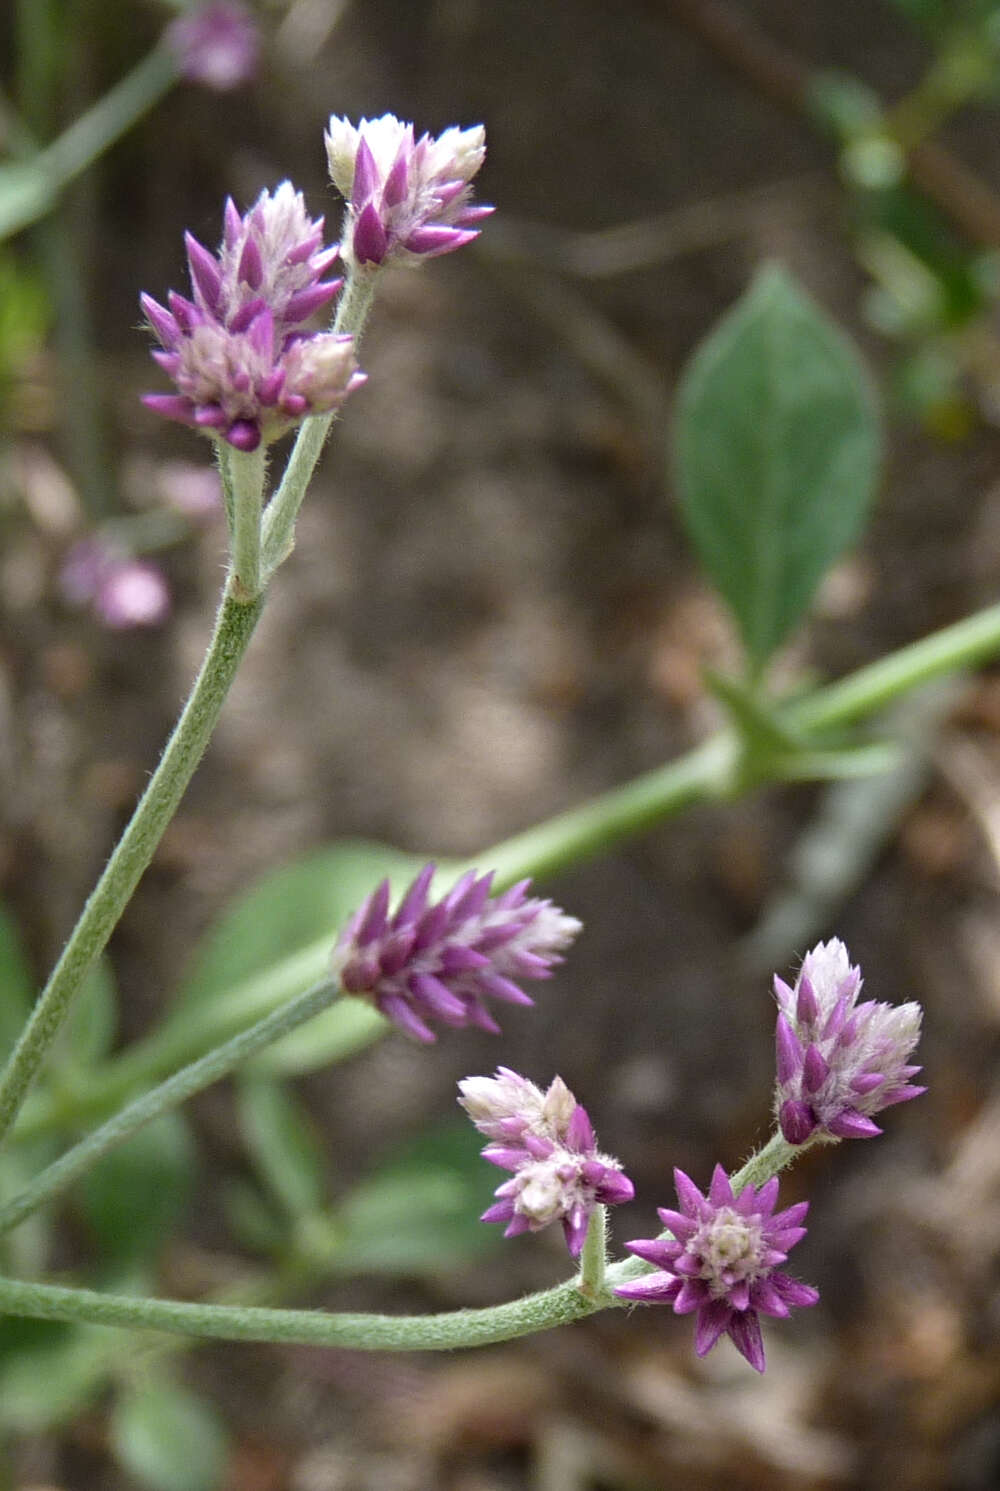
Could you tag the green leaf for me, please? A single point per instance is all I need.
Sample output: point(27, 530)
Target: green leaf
point(169, 1439)
point(17, 987)
point(271, 945)
point(283, 1143)
point(289, 909)
point(26, 194)
point(253, 1221)
point(778, 451)
point(344, 1029)
point(420, 1213)
point(135, 1196)
point(92, 1022)
point(50, 1372)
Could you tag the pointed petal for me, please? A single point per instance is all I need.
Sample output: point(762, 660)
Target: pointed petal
point(807, 1007)
point(414, 903)
point(366, 176)
point(744, 1332)
point(815, 1069)
point(398, 1010)
point(205, 275)
point(713, 1319)
point(852, 1125)
point(788, 1050)
point(688, 1194)
point(720, 1192)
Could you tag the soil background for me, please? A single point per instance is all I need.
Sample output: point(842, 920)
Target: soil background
point(491, 614)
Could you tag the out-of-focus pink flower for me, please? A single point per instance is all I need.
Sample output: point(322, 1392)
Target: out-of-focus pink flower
point(195, 491)
point(133, 593)
point(216, 45)
point(123, 592)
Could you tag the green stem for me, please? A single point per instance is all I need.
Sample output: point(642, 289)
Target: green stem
point(234, 627)
point(964, 644)
point(594, 1258)
point(279, 517)
point(170, 1094)
point(459, 1328)
point(961, 72)
point(246, 470)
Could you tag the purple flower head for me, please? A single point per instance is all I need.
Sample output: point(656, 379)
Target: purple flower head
point(215, 44)
point(722, 1261)
point(439, 960)
point(839, 1062)
point(244, 369)
point(407, 198)
point(507, 1106)
point(546, 1139)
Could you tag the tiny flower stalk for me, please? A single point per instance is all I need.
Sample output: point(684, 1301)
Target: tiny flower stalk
point(246, 474)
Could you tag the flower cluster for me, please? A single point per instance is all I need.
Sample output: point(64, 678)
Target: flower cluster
point(547, 1140)
point(244, 368)
point(407, 198)
point(722, 1261)
point(839, 1062)
point(215, 45)
point(438, 960)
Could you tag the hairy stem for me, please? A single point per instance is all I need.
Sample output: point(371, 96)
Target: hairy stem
point(246, 482)
point(279, 517)
point(459, 1328)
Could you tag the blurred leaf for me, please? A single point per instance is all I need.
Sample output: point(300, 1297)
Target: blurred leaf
point(24, 1249)
point(133, 1198)
point(17, 987)
point(289, 909)
point(251, 1218)
point(778, 448)
point(420, 1212)
point(843, 103)
point(914, 253)
point(49, 1372)
point(345, 1028)
point(270, 945)
point(25, 313)
point(26, 194)
point(283, 1143)
point(169, 1439)
point(92, 1021)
